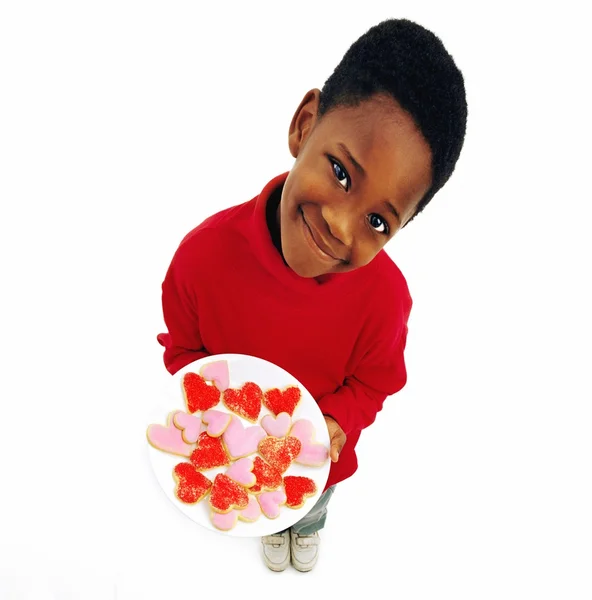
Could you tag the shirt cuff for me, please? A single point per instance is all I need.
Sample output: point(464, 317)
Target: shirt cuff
point(332, 406)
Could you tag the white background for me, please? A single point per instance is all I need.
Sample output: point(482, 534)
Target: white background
point(122, 126)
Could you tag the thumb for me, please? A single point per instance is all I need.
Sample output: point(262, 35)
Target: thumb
point(334, 450)
point(337, 442)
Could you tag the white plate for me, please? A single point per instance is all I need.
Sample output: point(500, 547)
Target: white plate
point(266, 375)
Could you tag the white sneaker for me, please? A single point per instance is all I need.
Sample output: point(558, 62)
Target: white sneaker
point(276, 550)
point(305, 550)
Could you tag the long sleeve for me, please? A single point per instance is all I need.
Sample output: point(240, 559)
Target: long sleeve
point(182, 343)
point(380, 374)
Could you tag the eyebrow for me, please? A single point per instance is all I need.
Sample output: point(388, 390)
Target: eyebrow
point(360, 169)
point(354, 162)
point(392, 209)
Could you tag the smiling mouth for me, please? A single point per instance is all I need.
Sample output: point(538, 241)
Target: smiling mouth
point(317, 242)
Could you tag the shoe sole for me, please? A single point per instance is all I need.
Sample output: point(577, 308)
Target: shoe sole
point(276, 568)
point(302, 568)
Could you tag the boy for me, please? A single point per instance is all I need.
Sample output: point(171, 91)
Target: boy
point(298, 275)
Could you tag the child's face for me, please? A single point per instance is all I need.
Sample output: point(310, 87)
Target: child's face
point(335, 214)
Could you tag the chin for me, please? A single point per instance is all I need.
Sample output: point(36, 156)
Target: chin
point(301, 264)
point(303, 270)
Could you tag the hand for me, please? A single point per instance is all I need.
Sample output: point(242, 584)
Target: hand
point(337, 438)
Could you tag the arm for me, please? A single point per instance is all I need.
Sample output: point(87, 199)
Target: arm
point(182, 343)
point(381, 373)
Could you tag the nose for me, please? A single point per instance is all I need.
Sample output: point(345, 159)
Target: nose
point(340, 221)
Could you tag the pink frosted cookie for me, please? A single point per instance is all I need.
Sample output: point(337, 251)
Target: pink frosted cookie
point(168, 438)
point(241, 441)
point(270, 503)
point(216, 421)
point(224, 521)
point(189, 425)
point(252, 512)
point(277, 426)
point(241, 471)
point(217, 372)
point(311, 454)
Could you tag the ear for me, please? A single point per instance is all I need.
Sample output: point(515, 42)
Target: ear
point(303, 121)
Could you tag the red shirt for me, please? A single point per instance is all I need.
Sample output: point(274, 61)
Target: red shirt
point(342, 336)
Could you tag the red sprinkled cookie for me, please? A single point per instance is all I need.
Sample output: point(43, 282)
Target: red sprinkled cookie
point(198, 394)
point(192, 485)
point(279, 401)
point(268, 477)
point(280, 452)
point(298, 489)
point(209, 453)
point(245, 402)
point(227, 495)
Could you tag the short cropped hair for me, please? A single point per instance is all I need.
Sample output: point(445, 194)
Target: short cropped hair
point(410, 63)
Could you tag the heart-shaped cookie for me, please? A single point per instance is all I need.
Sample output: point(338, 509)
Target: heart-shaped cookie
point(216, 420)
point(189, 425)
point(192, 485)
point(168, 438)
point(270, 503)
point(217, 372)
point(198, 394)
point(280, 452)
point(224, 521)
point(245, 402)
point(227, 495)
point(311, 454)
point(279, 401)
point(241, 441)
point(252, 512)
point(241, 471)
point(268, 477)
point(209, 453)
point(298, 489)
point(277, 426)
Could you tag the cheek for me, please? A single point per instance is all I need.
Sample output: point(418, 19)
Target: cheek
point(366, 248)
point(310, 182)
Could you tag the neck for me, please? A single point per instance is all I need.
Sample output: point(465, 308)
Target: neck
point(273, 218)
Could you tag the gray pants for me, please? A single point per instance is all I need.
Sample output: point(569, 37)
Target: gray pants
point(316, 517)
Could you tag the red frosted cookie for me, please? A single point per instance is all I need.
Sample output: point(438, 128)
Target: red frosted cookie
point(280, 452)
point(279, 401)
point(227, 495)
point(192, 485)
point(268, 477)
point(245, 402)
point(198, 394)
point(209, 453)
point(298, 489)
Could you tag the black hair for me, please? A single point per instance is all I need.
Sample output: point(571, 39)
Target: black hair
point(408, 62)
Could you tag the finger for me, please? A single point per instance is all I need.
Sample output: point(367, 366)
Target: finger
point(335, 448)
point(334, 452)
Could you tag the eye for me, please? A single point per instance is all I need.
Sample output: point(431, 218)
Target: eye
point(378, 223)
point(340, 174)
